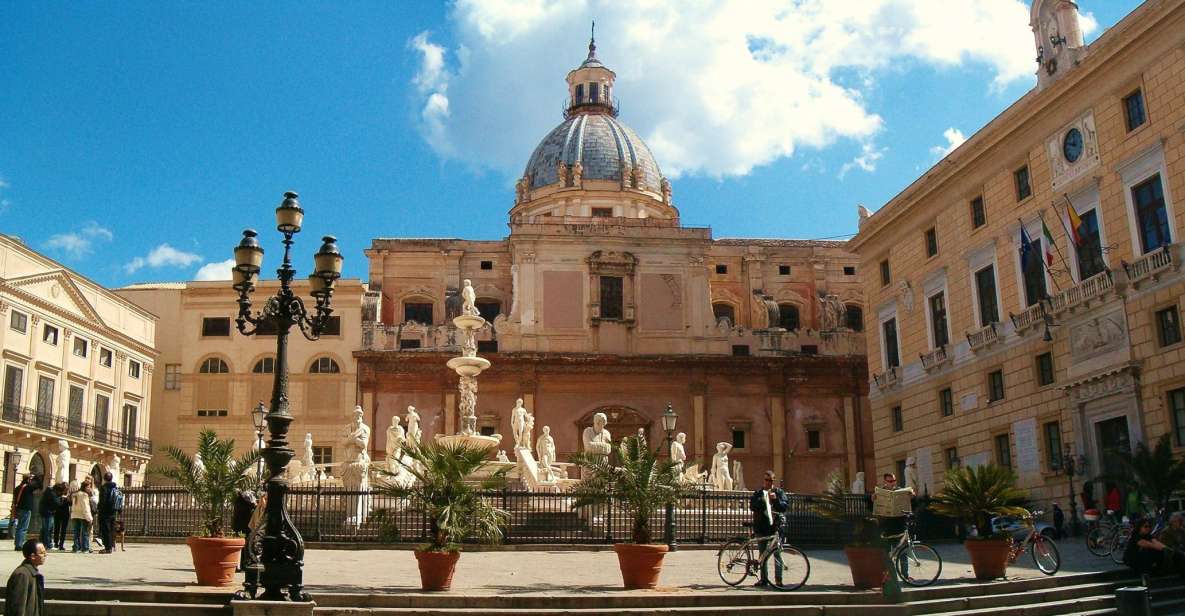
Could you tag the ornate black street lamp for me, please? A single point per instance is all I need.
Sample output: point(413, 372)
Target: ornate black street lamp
point(1070, 467)
point(668, 424)
point(275, 543)
point(259, 418)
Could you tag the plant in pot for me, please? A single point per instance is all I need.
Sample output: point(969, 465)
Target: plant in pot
point(639, 484)
point(864, 549)
point(975, 495)
point(213, 482)
point(447, 492)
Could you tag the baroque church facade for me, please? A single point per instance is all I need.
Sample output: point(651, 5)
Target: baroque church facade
point(601, 300)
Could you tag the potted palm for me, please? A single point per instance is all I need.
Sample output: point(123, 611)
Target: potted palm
point(1151, 472)
point(444, 493)
point(212, 479)
point(864, 549)
point(640, 484)
point(975, 495)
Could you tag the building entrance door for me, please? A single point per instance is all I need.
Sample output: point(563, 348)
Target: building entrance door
point(1112, 436)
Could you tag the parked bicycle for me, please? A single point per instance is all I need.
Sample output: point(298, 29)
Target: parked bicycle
point(1043, 549)
point(917, 564)
point(741, 557)
point(1101, 535)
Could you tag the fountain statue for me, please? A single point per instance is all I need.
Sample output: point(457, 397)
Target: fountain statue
point(720, 478)
point(678, 453)
point(62, 463)
point(308, 464)
point(545, 449)
point(468, 366)
point(596, 438)
point(395, 436)
point(414, 433)
point(355, 472)
point(518, 425)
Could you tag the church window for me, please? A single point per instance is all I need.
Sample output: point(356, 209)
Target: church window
point(488, 308)
point(420, 312)
point(1133, 110)
point(849, 270)
point(487, 265)
point(724, 311)
point(721, 268)
point(814, 439)
point(855, 318)
point(740, 350)
point(612, 304)
point(594, 92)
point(788, 313)
point(783, 270)
point(579, 93)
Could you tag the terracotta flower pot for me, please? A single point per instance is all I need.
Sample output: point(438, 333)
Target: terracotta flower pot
point(436, 569)
point(215, 559)
point(867, 565)
point(640, 564)
point(989, 557)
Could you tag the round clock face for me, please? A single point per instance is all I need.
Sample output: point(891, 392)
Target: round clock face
point(1072, 145)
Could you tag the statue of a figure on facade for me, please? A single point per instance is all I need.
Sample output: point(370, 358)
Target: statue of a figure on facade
point(773, 314)
point(858, 484)
point(62, 463)
point(561, 171)
point(678, 452)
point(502, 457)
point(596, 438)
point(545, 448)
point(355, 474)
point(834, 313)
point(452, 304)
point(577, 173)
point(412, 419)
point(308, 464)
point(738, 476)
point(520, 190)
point(469, 300)
point(720, 476)
point(518, 425)
point(394, 448)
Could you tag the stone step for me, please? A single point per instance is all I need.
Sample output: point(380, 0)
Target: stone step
point(1060, 593)
point(121, 608)
point(1049, 608)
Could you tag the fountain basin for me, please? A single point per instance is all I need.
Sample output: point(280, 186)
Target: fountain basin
point(468, 322)
point(472, 440)
point(468, 366)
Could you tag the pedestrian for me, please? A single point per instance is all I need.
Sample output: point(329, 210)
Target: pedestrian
point(108, 509)
point(24, 501)
point(26, 586)
point(1134, 503)
point(92, 533)
point(1059, 521)
point(769, 505)
point(50, 500)
point(1173, 538)
point(61, 519)
point(81, 517)
point(1145, 554)
point(1114, 500)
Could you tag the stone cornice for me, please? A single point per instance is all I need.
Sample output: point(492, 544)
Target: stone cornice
point(66, 315)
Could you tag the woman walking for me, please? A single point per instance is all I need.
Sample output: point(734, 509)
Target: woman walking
point(81, 517)
point(61, 518)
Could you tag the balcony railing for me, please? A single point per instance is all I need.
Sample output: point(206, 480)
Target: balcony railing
point(934, 358)
point(888, 378)
point(1150, 265)
point(982, 337)
point(1083, 292)
point(1033, 315)
point(49, 422)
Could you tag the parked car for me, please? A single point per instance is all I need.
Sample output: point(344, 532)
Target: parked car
point(1018, 529)
point(5, 524)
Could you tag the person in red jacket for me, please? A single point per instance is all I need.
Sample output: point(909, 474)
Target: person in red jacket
point(1114, 500)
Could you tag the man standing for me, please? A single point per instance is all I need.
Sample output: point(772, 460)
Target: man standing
point(51, 499)
point(26, 585)
point(24, 501)
point(107, 511)
point(769, 505)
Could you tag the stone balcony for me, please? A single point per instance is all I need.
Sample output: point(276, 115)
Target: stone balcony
point(1154, 264)
point(983, 337)
point(1032, 316)
point(888, 378)
point(416, 336)
point(1082, 294)
point(934, 358)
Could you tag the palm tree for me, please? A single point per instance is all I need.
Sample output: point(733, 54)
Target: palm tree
point(1151, 472)
point(443, 493)
point(832, 504)
point(976, 494)
point(642, 483)
point(215, 483)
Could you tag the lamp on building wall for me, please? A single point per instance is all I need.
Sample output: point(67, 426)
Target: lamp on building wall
point(668, 425)
point(275, 542)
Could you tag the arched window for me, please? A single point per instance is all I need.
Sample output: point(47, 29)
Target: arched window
point(214, 365)
point(855, 320)
point(788, 317)
point(488, 308)
point(418, 311)
point(721, 310)
point(267, 365)
point(324, 365)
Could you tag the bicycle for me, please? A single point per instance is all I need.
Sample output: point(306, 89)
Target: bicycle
point(1044, 550)
point(911, 557)
point(741, 557)
point(1101, 536)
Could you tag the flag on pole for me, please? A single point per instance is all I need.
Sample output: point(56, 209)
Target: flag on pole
point(1048, 243)
point(1026, 247)
point(1075, 225)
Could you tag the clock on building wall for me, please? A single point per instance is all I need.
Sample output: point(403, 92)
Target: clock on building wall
point(1072, 145)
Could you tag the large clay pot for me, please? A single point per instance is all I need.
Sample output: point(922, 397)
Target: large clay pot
point(867, 565)
point(640, 564)
point(436, 569)
point(989, 557)
point(215, 559)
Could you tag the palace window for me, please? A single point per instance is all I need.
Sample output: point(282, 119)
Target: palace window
point(212, 413)
point(1052, 434)
point(1003, 451)
point(951, 455)
point(889, 340)
point(788, 316)
point(133, 368)
point(739, 437)
point(266, 365)
point(266, 327)
point(216, 326)
point(1151, 214)
point(897, 418)
point(1168, 326)
point(409, 343)
point(721, 310)
point(102, 410)
point(612, 298)
point(985, 286)
point(1176, 399)
point(814, 439)
point(81, 347)
point(886, 273)
point(49, 334)
point(740, 350)
point(1090, 251)
point(978, 213)
point(419, 312)
point(946, 402)
point(1034, 273)
point(849, 270)
point(74, 410)
point(172, 376)
point(855, 318)
point(487, 265)
point(104, 357)
point(14, 388)
point(809, 349)
point(783, 270)
point(938, 319)
point(19, 322)
point(1021, 177)
point(214, 365)
point(995, 384)
point(602, 212)
point(1044, 365)
point(322, 454)
point(721, 268)
point(324, 365)
point(1133, 110)
point(332, 327)
point(931, 242)
point(487, 346)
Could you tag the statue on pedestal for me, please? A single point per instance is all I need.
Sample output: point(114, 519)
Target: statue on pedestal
point(678, 453)
point(720, 477)
point(545, 448)
point(308, 464)
point(469, 300)
point(596, 438)
point(395, 435)
point(858, 484)
point(199, 467)
point(502, 457)
point(355, 472)
point(62, 463)
point(518, 425)
point(412, 419)
point(911, 475)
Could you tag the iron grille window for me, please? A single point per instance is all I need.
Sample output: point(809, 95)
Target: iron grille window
point(1151, 214)
point(612, 302)
point(1090, 250)
point(978, 214)
point(985, 285)
point(14, 389)
point(1003, 451)
point(1133, 110)
point(938, 319)
point(889, 337)
point(995, 385)
point(1052, 433)
point(216, 326)
point(946, 402)
point(898, 419)
point(1045, 374)
point(1023, 190)
point(1168, 326)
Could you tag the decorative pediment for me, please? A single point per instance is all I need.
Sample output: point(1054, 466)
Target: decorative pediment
point(56, 292)
point(612, 262)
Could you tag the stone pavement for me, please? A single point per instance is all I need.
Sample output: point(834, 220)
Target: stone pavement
point(168, 567)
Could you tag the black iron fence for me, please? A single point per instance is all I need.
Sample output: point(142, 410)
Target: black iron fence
point(332, 514)
point(59, 424)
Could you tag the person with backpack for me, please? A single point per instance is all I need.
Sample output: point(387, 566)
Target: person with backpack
point(110, 504)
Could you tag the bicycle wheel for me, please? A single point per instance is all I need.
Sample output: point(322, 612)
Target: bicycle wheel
point(1098, 541)
point(789, 568)
point(1045, 555)
point(732, 561)
point(1119, 545)
point(918, 564)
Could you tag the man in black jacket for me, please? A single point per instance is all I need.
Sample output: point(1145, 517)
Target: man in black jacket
point(107, 513)
point(51, 499)
point(26, 585)
point(769, 505)
point(24, 501)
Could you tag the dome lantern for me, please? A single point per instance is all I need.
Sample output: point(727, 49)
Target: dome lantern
point(590, 85)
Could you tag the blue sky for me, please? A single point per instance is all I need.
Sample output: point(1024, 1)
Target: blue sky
point(138, 140)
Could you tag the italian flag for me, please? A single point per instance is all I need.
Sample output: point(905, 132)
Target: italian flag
point(1047, 243)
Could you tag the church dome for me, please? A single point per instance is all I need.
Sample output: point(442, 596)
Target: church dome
point(604, 147)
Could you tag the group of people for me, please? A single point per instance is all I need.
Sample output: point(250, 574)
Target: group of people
point(1152, 553)
point(64, 506)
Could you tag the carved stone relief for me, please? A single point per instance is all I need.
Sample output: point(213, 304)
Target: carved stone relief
point(1098, 336)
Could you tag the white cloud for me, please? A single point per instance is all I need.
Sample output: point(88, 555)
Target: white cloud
point(215, 271)
point(76, 244)
point(714, 88)
point(954, 138)
point(866, 161)
point(162, 256)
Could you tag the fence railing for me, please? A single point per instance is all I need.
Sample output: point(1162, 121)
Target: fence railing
point(59, 424)
point(323, 514)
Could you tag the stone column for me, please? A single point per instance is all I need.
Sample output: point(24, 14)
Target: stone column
point(450, 411)
point(777, 414)
point(849, 437)
point(698, 394)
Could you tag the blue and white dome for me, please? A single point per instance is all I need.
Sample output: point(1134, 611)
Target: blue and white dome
point(606, 149)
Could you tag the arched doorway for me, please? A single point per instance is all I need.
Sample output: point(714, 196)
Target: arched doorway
point(39, 475)
point(97, 475)
point(623, 421)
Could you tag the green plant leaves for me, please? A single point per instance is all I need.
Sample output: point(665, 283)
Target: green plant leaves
point(214, 486)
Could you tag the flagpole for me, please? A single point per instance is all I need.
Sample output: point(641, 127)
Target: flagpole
point(1061, 256)
point(1025, 248)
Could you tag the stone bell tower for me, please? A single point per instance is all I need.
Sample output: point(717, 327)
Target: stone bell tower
point(1058, 38)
